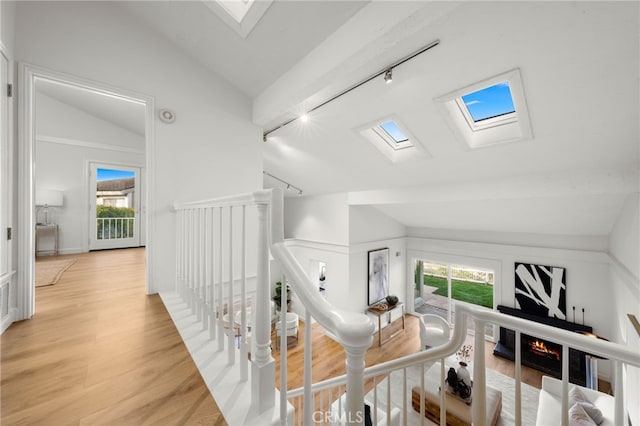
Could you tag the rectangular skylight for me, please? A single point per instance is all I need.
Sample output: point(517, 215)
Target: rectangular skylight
point(394, 132)
point(490, 102)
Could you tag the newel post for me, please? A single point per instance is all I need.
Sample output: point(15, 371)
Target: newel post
point(262, 363)
point(355, 384)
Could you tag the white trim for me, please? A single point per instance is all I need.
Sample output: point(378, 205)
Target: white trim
point(8, 279)
point(26, 172)
point(87, 144)
point(317, 245)
point(9, 319)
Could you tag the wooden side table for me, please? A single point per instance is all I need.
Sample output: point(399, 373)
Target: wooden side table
point(380, 313)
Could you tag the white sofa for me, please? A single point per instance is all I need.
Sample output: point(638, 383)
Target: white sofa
point(550, 403)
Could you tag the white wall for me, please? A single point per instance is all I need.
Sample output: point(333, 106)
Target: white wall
point(625, 283)
point(212, 149)
point(367, 223)
point(322, 218)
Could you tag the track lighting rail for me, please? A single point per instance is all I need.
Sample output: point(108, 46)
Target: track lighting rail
point(387, 72)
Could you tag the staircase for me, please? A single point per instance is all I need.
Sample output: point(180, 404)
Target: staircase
point(222, 307)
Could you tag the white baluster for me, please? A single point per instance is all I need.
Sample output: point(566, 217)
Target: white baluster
point(308, 380)
point(212, 261)
point(518, 408)
point(231, 349)
point(479, 405)
point(244, 329)
point(565, 386)
point(205, 268)
point(220, 285)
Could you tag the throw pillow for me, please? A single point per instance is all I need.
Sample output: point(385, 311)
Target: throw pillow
point(577, 396)
point(579, 417)
point(594, 412)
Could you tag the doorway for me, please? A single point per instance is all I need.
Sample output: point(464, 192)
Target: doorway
point(440, 285)
point(93, 149)
point(114, 215)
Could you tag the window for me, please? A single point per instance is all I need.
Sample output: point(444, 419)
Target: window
point(392, 135)
point(392, 139)
point(491, 106)
point(489, 112)
point(441, 285)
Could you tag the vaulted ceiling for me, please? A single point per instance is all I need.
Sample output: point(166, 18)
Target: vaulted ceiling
point(579, 63)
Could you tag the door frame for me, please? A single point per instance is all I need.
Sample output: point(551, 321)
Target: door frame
point(30, 74)
point(91, 194)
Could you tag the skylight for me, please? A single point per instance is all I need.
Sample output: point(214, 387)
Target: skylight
point(390, 132)
point(490, 102)
point(394, 132)
point(488, 112)
point(392, 138)
point(241, 15)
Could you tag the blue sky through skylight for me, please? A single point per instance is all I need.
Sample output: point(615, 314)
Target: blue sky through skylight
point(109, 174)
point(489, 102)
point(394, 131)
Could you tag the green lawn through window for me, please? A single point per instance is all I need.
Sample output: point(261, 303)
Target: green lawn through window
point(466, 291)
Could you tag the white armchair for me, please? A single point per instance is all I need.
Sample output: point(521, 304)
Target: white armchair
point(434, 331)
point(290, 329)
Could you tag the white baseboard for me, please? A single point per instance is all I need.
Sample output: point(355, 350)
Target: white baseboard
point(8, 319)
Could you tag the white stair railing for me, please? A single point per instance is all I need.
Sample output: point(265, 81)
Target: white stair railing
point(215, 266)
point(326, 395)
point(222, 263)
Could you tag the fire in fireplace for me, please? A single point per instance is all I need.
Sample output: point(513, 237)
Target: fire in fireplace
point(540, 348)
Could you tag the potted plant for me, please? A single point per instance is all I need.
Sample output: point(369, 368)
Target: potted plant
point(277, 298)
point(392, 300)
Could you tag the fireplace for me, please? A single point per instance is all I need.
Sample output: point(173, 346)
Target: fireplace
point(541, 354)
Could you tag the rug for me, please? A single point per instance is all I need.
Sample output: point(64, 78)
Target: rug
point(496, 380)
point(48, 272)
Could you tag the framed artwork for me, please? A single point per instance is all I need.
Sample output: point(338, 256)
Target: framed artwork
point(378, 275)
point(541, 290)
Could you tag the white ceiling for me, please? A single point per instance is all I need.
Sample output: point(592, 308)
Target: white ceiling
point(579, 63)
point(285, 34)
point(128, 114)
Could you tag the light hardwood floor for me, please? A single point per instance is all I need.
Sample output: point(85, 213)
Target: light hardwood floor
point(100, 351)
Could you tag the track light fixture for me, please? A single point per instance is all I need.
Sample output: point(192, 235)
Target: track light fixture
point(388, 76)
point(289, 186)
point(387, 73)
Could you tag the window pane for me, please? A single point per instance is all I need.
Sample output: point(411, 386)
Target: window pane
point(392, 129)
point(489, 102)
